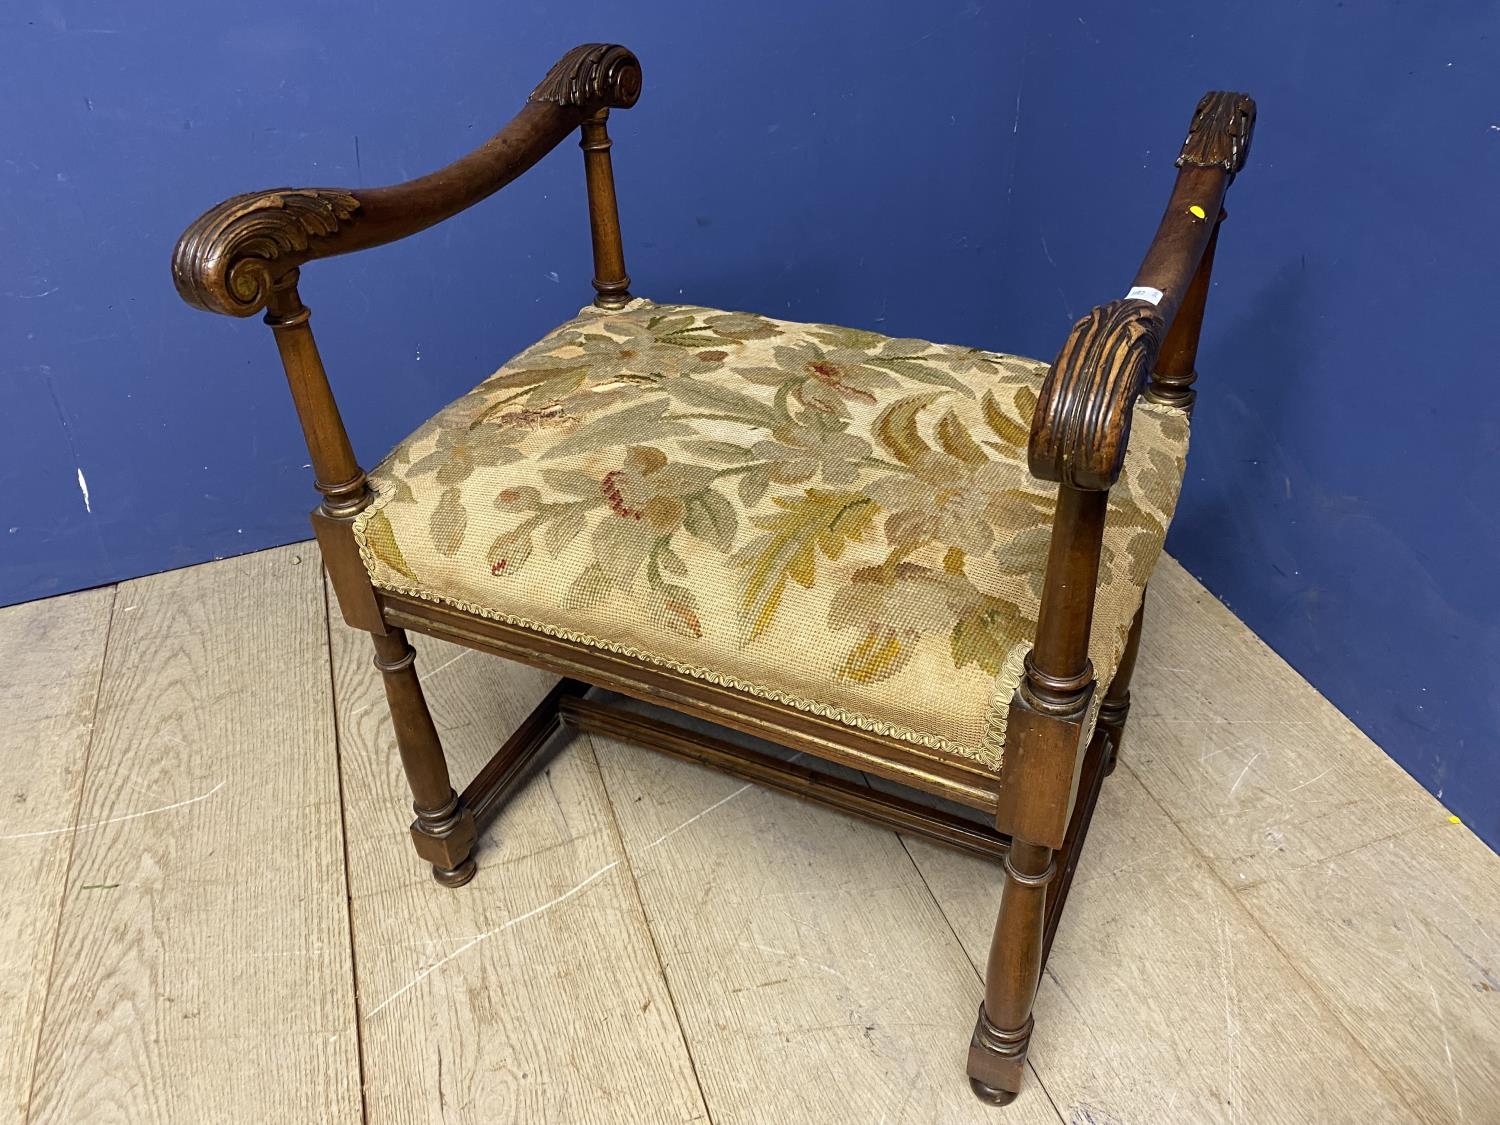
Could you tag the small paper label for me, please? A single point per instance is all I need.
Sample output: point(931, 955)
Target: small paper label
point(1144, 293)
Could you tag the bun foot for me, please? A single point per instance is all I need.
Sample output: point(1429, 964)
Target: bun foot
point(990, 1094)
point(455, 876)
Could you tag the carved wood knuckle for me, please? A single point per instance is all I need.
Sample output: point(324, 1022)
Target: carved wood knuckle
point(1082, 420)
point(592, 76)
point(1220, 134)
point(231, 257)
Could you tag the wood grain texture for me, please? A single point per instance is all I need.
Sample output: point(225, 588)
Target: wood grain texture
point(202, 966)
point(1162, 999)
point(51, 654)
point(1401, 939)
point(1391, 910)
point(1262, 774)
point(1349, 975)
point(533, 993)
point(814, 977)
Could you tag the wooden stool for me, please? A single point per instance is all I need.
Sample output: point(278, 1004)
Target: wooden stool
point(918, 560)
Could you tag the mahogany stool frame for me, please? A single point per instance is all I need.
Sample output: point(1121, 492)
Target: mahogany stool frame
point(244, 256)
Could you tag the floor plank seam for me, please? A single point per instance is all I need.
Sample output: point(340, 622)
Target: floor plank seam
point(1295, 965)
point(62, 899)
point(640, 902)
point(338, 765)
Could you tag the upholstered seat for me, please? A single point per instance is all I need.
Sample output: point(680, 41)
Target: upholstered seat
point(921, 561)
point(834, 519)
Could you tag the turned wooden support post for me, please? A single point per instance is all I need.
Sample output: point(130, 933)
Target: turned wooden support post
point(593, 79)
point(1116, 706)
point(1176, 370)
point(1002, 1033)
point(1038, 787)
point(611, 281)
point(336, 473)
point(1044, 733)
point(444, 830)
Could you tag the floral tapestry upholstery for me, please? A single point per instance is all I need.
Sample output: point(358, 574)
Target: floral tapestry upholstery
point(834, 519)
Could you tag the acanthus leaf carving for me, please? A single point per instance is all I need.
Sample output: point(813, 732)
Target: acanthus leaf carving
point(594, 75)
point(228, 260)
point(1220, 134)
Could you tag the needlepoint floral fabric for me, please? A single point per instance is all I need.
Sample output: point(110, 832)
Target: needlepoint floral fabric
point(831, 518)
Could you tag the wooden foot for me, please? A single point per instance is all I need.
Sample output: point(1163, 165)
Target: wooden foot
point(444, 837)
point(444, 831)
point(1002, 1033)
point(1000, 1057)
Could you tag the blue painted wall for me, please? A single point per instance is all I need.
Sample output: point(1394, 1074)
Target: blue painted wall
point(978, 172)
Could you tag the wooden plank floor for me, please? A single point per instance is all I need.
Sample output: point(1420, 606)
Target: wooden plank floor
point(212, 913)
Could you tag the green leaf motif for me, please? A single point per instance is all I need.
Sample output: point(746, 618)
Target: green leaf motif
point(817, 520)
point(896, 428)
point(528, 377)
point(573, 483)
point(1006, 428)
point(671, 562)
point(754, 485)
point(919, 372)
point(712, 398)
point(717, 450)
point(985, 635)
point(620, 547)
point(564, 527)
point(381, 538)
point(674, 608)
point(1026, 554)
point(836, 337)
point(711, 518)
point(544, 394)
point(448, 523)
point(589, 590)
point(641, 422)
point(508, 553)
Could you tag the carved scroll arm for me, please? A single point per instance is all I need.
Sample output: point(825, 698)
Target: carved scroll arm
point(1079, 432)
point(230, 258)
point(1082, 420)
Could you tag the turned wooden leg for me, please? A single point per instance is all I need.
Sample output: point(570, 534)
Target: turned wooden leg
point(997, 1052)
point(1116, 706)
point(444, 831)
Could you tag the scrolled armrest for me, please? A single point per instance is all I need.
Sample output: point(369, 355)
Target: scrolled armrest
point(229, 259)
point(1082, 420)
